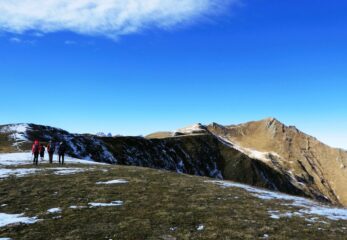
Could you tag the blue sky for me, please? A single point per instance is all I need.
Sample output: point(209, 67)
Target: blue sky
point(247, 60)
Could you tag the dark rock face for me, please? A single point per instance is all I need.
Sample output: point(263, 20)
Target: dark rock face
point(186, 154)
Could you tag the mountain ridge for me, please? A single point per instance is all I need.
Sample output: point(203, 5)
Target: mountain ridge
point(264, 153)
point(268, 119)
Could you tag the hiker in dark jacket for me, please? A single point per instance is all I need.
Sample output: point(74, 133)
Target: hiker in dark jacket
point(35, 149)
point(50, 150)
point(61, 152)
point(42, 151)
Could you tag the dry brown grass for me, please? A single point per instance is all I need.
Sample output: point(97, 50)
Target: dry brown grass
point(157, 205)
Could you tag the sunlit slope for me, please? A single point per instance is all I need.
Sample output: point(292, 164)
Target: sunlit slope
point(313, 163)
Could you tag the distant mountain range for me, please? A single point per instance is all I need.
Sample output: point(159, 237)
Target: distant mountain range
point(263, 153)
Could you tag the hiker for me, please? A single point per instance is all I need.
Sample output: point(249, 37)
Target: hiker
point(42, 151)
point(50, 150)
point(36, 150)
point(61, 152)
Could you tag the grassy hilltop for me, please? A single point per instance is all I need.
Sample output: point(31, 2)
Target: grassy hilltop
point(156, 205)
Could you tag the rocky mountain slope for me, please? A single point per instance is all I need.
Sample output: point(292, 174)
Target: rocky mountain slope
point(316, 166)
point(265, 153)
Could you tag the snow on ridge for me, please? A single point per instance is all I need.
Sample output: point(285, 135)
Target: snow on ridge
point(19, 128)
point(18, 132)
point(80, 151)
point(252, 153)
point(308, 207)
point(195, 128)
point(7, 219)
point(106, 154)
point(266, 157)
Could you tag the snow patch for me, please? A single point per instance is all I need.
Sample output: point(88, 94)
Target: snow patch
point(6, 219)
point(315, 220)
point(308, 207)
point(66, 171)
point(23, 172)
point(54, 210)
point(25, 158)
point(278, 215)
point(116, 181)
point(77, 207)
point(200, 227)
point(111, 204)
point(20, 172)
point(265, 236)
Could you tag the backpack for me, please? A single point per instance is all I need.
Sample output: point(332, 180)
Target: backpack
point(51, 147)
point(62, 148)
point(36, 148)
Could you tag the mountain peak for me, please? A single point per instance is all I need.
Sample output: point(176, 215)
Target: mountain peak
point(271, 120)
point(195, 128)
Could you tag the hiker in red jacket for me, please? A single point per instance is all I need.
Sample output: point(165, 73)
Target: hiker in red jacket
point(36, 150)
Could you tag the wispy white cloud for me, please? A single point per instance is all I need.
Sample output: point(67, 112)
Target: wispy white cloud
point(18, 40)
point(38, 34)
point(15, 40)
point(69, 42)
point(103, 17)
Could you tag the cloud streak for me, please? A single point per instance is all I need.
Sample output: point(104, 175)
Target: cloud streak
point(111, 18)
